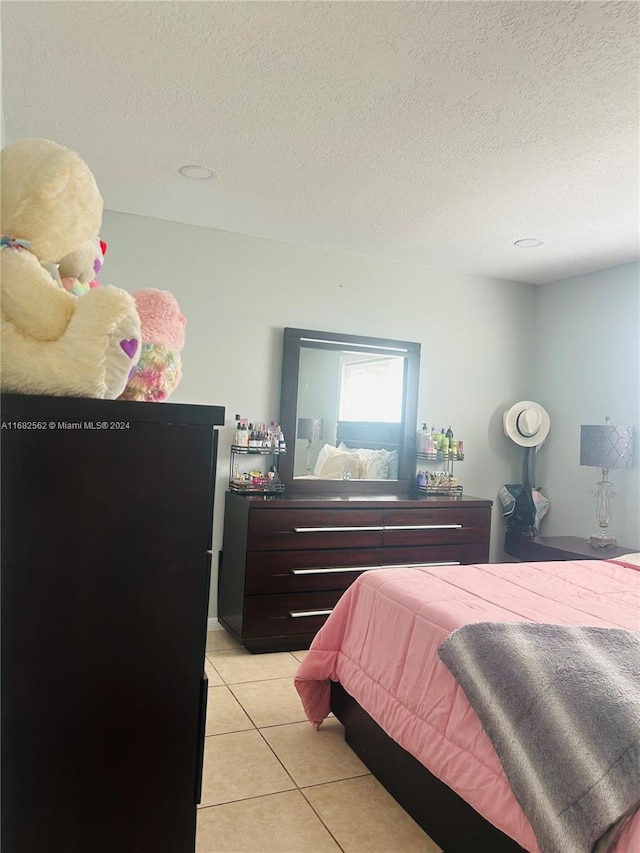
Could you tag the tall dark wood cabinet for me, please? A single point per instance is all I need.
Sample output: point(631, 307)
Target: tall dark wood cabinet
point(106, 529)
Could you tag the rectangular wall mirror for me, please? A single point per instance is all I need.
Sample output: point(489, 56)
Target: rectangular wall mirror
point(349, 412)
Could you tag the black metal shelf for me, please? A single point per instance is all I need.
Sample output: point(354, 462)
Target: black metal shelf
point(452, 491)
point(429, 457)
point(276, 489)
point(446, 461)
point(246, 486)
point(257, 451)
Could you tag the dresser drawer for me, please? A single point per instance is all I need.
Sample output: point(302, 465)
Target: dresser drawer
point(278, 615)
point(436, 526)
point(458, 554)
point(300, 571)
point(280, 530)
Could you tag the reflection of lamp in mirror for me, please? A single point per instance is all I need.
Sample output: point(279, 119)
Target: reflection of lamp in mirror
point(311, 429)
point(605, 446)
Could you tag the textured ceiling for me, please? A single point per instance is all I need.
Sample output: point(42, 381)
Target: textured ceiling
point(430, 132)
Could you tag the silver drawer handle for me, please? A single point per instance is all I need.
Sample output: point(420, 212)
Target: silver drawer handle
point(423, 527)
point(296, 614)
point(422, 565)
point(332, 529)
point(327, 571)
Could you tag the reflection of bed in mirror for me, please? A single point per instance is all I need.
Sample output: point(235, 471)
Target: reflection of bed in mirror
point(369, 435)
point(364, 450)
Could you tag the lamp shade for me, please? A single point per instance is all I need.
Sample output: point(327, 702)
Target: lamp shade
point(310, 428)
point(606, 446)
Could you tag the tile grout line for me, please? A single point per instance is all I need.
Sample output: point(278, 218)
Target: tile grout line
point(303, 788)
point(277, 758)
point(297, 787)
point(300, 791)
point(246, 799)
point(248, 681)
point(319, 816)
point(244, 710)
point(275, 794)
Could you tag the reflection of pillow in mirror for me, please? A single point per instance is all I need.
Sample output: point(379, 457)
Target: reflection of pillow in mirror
point(339, 462)
point(374, 462)
point(376, 465)
point(326, 451)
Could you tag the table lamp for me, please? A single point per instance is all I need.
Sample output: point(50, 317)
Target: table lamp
point(311, 429)
point(605, 446)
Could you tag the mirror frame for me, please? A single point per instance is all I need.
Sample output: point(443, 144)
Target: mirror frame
point(293, 341)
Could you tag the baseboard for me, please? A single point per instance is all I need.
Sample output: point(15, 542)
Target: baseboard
point(214, 625)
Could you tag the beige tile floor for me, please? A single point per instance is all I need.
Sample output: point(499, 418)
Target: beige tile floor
point(271, 784)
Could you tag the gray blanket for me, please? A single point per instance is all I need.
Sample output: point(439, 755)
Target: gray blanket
point(562, 708)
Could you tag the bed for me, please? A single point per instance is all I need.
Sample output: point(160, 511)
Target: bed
point(367, 450)
point(363, 450)
point(375, 663)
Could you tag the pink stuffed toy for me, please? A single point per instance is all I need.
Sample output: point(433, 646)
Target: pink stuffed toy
point(159, 370)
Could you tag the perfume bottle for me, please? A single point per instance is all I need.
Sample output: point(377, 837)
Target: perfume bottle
point(273, 480)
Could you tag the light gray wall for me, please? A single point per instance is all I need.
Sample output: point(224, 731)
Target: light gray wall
point(317, 397)
point(587, 366)
point(238, 293)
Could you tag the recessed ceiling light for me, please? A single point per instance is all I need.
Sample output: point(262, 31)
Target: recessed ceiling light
point(198, 173)
point(529, 243)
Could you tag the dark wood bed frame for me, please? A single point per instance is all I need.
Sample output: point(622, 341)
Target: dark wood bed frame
point(369, 435)
point(450, 821)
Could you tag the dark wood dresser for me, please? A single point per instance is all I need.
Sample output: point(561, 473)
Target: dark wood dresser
point(285, 562)
point(106, 536)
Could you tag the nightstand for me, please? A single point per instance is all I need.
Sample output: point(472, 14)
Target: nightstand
point(546, 548)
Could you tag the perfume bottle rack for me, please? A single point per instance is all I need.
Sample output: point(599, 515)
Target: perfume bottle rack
point(438, 485)
point(257, 451)
point(246, 484)
point(443, 491)
point(441, 456)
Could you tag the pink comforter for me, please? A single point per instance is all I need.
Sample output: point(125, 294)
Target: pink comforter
point(381, 644)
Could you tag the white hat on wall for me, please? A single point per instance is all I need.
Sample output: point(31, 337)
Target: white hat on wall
point(527, 423)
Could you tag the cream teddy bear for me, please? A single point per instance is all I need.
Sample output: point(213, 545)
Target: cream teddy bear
point(77, 271)
point(52, 341)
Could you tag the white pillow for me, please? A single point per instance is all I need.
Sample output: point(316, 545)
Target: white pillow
point(376, 464)
point(337, 463)
point(634, 559)
point(326, 451)
point(333, 461)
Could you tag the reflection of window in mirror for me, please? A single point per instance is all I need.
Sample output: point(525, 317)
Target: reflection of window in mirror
point(371, 389)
